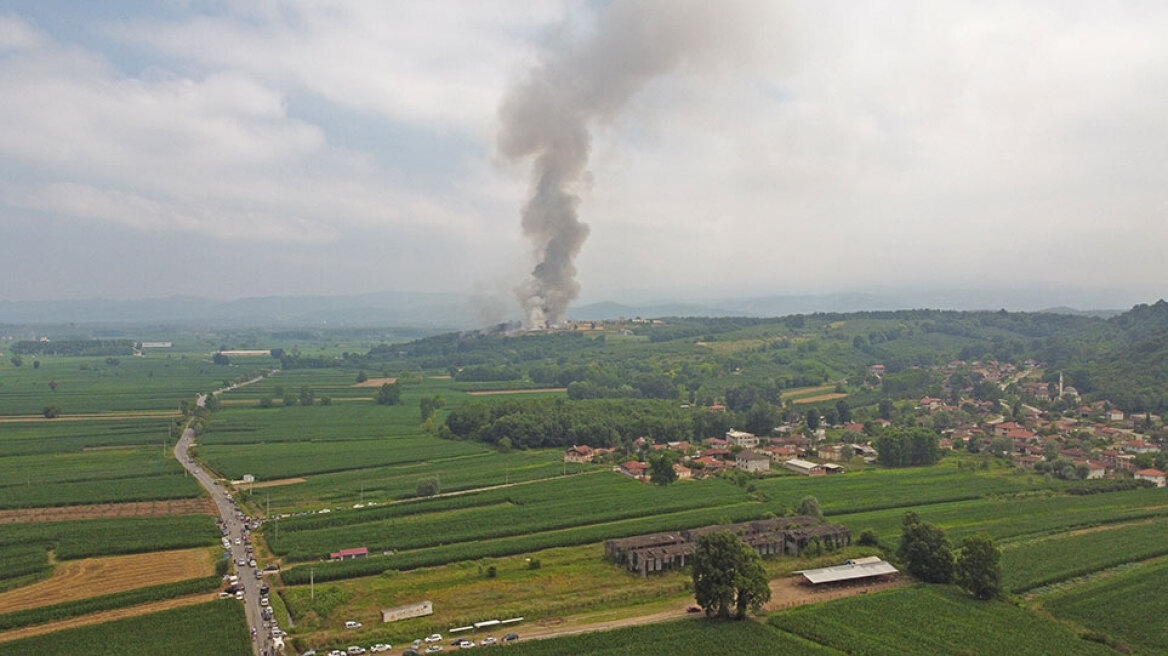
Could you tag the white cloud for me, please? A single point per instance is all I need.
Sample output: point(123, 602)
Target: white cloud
point(860, 143)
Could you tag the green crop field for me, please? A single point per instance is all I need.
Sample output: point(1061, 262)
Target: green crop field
point(40, 437)
point(400, 481)
point(525, 509)
point(1006, 517)
point(107, 537)
point(88, 384)
point(283, 460)
point(875, 489)
point(1056, 558)
point(1128, 606)
point(99, 476)
point(929, 620)
point(682, 638)
point(216, 627)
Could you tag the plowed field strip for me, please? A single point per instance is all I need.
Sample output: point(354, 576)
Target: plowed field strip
point(101, 510)
point(109, 616)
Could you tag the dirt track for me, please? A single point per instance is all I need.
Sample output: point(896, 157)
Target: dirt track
point(275, 483)
point(785, 593)
point(90, 577)
point(519, 391)
point(100, 510)
point(18, 419)
point(108, 616)
point(375, 382)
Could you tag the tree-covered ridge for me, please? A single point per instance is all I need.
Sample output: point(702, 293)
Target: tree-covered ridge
point(700, 360)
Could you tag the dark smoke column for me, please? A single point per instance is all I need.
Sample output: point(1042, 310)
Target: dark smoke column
point(547, 115)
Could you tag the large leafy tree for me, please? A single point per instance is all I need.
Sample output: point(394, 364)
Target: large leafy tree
point(979, 567)
point(925, 550)
point(728, 576)
point(661, 470)
point(388, 394)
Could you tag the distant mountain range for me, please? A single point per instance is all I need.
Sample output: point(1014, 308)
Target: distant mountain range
point(458, 311)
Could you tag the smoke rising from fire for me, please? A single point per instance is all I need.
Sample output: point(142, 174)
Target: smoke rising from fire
point(548, 114)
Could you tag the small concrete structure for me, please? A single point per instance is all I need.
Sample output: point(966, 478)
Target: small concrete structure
point(407, 611)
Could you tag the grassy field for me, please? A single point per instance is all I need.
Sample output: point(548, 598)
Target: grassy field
point(568, 582)
point(929, 620)
point(1128, 606)
point(215, 627)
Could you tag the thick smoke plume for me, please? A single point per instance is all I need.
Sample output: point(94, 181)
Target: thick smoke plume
point(547, 117)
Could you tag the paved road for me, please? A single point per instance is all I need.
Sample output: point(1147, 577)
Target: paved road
point(234, 521)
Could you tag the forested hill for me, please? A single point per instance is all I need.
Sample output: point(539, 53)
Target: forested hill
point(1123, 358)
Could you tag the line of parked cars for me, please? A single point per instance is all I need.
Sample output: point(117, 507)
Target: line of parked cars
point(427, 645)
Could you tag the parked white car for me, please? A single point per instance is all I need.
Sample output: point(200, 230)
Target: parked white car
point(352, 625)
point(434, 637)
point(380, 647)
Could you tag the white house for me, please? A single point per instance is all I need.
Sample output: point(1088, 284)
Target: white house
point(1154, 475)
point(749, 461)
point(741, 439)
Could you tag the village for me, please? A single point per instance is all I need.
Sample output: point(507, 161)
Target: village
point(1035, 425)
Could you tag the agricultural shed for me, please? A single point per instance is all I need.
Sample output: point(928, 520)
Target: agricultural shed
point(349, 554)
point(860, 568)
point(805, 467)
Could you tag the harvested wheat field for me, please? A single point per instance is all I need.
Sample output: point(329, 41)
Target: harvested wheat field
point(375, 382)
point(105, 616)
point(203, 506)
point(90, 577)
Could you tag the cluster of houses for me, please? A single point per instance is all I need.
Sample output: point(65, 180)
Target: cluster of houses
point(787, 536)
point(738, 450)
point(1115, 437)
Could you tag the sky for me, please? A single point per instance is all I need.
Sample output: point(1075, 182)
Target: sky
point(231, 149)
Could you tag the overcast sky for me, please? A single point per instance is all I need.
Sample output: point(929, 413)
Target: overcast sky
point(235, 149)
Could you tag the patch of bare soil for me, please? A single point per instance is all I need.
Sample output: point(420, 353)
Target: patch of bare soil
point(108, 616)
point(276, 483)
point(819, 398)
point(91, 577)
point(202, 506)
point(790, 591)
point(374, 382)
point(518, 391)
point(785, 593)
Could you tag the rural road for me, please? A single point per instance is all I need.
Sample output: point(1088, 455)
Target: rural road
point(235, 532)
point(233, 519)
